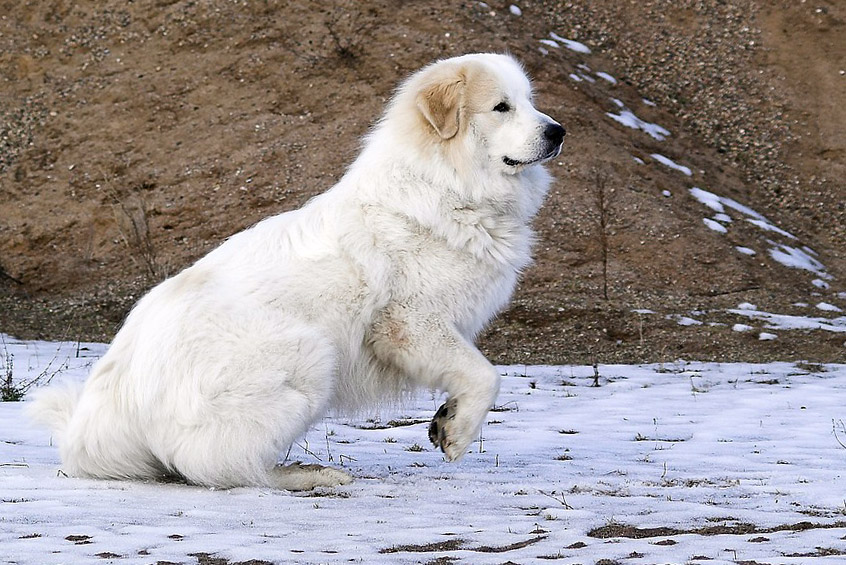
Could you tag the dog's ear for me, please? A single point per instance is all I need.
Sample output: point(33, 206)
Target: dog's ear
point(441, 102)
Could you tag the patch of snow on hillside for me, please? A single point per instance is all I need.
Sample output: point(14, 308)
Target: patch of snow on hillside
point(787, 255)
point(767, 226)
point(714, 225)
point(791, 322)
point(570, 44)
point(667, 162)
point(606, 77)
point(797, 258)
point(826, 307)
point(709, 199)
point(755, 218)
point(746, 210)
point(684, 320)
point(720, 203)
point(630, 120)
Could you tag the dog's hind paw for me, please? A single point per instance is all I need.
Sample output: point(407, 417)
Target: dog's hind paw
point(298, 477)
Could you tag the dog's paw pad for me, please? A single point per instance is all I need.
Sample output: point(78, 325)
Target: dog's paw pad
point(437, 429)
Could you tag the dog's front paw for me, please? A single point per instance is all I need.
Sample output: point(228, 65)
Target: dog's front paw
point(451, 431)
point(438, 427)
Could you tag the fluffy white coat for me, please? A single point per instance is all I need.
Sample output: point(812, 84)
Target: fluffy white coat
point(372, 289)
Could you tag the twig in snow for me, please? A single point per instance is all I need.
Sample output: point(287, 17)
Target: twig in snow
point(834, 431)
point(560, 500)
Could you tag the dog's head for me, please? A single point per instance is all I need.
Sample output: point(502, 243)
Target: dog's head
point(483, 103)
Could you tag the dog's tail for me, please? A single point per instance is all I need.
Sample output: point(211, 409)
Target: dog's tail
point(52, 407)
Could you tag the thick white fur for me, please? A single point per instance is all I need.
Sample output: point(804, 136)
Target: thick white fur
point(374, 288)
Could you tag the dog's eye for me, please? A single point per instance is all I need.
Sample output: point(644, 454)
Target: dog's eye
point(502, 107)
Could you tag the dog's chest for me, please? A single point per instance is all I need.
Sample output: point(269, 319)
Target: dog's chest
point(490, 237)
point(465, 265)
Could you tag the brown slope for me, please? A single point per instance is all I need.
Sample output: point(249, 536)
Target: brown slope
point(138, 136)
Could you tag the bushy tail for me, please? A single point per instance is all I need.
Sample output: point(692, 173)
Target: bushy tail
point(52, 407)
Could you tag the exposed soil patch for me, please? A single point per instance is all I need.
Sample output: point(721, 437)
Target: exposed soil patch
point(458, 544)
point(633, 532)
point(208, 559)
point(447, 545)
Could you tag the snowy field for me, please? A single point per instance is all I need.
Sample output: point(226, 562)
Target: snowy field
point(680, 463)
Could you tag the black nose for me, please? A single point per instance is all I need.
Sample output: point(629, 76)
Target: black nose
point(554, 133)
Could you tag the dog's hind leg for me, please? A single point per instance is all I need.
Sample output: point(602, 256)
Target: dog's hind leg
point(260, 393)
point(100, 443)
point(240, 445)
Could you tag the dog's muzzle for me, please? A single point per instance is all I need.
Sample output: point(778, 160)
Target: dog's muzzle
point(553, 135)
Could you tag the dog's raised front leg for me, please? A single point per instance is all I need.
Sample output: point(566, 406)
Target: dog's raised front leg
point(437, 357)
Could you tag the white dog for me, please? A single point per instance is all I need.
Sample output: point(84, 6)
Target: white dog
point(372, 289)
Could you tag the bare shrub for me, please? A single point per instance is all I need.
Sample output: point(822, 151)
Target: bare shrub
point(132, 218)
point(603, 204)
point(12, 390)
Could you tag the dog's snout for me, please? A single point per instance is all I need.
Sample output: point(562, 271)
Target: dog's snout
point(554, 133)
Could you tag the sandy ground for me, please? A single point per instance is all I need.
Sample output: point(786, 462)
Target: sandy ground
point(136, 137)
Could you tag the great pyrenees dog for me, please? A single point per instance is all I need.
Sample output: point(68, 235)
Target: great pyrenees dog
point(376, 287)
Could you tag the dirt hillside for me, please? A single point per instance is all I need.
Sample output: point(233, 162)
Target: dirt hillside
point(135, 137)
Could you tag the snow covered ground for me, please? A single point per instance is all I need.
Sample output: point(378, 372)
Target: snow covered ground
point(681, 463)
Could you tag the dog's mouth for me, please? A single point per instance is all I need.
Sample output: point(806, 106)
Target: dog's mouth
point(514, 162)
point(554, 152)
